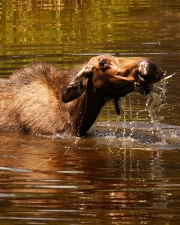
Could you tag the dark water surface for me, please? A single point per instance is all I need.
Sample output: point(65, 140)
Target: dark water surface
point(124, 171)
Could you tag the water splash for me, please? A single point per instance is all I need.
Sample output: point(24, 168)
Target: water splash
point(155, 102)
point(141, 127)
point(123, 105)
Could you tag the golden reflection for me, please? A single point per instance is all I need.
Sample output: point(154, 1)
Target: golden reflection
point(56, 21)
point(87, 181)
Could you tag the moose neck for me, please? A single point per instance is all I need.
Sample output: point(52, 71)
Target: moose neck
point(92, 102)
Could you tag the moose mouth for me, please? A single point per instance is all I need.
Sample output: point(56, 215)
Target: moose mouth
point(142, 88)
point(141, 85)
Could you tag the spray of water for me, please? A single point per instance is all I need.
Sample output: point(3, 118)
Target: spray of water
point(155, 102)
point(128, 121)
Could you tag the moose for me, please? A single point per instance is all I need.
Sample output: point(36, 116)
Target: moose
point(42, 99)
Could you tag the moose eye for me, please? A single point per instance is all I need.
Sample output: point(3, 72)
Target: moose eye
point(104, 64)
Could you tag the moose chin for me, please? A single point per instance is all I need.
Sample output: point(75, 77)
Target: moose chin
point(41, 99)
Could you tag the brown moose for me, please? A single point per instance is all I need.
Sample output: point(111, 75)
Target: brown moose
point(42, 99)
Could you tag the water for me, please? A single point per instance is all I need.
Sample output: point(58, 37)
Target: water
point(125, 170)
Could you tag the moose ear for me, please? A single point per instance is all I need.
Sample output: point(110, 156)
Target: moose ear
point(77, 86)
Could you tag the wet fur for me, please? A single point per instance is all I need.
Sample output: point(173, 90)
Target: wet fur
point(30, 100)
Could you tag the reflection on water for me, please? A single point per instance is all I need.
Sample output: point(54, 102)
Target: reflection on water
point(41, 184)
point(123, 171)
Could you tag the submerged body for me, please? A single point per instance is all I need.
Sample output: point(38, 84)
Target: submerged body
point(42, 99)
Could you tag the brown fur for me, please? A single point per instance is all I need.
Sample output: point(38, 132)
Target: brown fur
point(31, 99)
